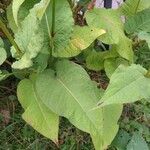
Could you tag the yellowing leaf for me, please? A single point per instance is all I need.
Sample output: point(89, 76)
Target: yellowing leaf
point(36, 114)
point(79, 41)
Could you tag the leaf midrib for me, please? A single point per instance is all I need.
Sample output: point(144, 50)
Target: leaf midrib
point(70, 92)
point(113, 95)
point(36, 99)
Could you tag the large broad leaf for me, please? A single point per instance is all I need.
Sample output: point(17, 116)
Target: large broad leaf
point(21, 14)
point(36, 113)
point(110, 21)
point(137, 143)
point(127, 84)
point(3, 54)
point(69, 92)
point(145, 36)
point(131, 7)
point(30, 40)
point(79, 41)
point(30, 37)
point(41, 7)
point(139, 22)
point(63, 24)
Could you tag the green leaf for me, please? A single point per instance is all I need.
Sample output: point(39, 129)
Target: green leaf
point(111, 64)
point(22, 13)
point(95, 60)
point(3, 54)
point(137, 143)
point(15, 8)
point(121, 140)
point(83, 2)
point(30, 40)
point(41, 61)
point(127, 84)
point(4, 74)
point(70, 93)
point(131, 7)
point(124, 48)
point(63, 24)
point(145, 36)
point(139, 22)
point(40, 117)
point(110, 21)
point(41, 8)
point(80, 40)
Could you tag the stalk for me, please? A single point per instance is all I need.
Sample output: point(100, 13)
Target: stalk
point(53, 17)
point(10, 38)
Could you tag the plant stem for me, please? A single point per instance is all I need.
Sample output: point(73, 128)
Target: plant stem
point(53, 18)
point(136, 9)
point(10, 38)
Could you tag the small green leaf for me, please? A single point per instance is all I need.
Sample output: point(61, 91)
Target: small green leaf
point(127, 84)
point(4, 74)
point(137, 143)
point(95, 60)
point(111, 64)
point(36, 114)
